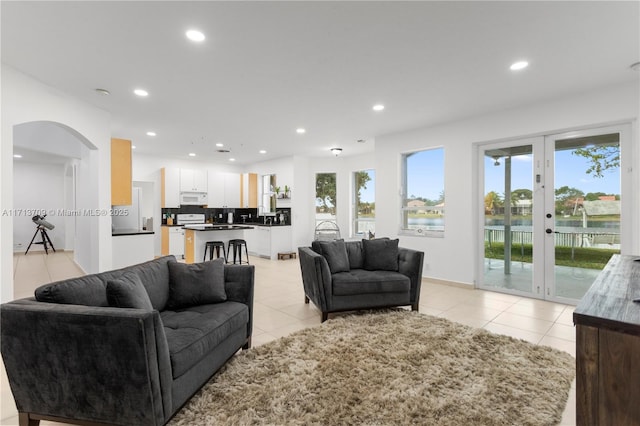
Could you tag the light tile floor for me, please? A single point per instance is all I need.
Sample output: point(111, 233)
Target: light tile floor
point(280, 310)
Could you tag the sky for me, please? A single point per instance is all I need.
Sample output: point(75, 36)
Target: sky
point(570, 170)
point(426, 174)
point(368, 194)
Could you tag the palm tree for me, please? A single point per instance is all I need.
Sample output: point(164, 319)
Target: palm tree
point(492, 201)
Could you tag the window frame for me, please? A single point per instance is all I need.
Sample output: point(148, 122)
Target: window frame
point(403, 227)
point(354, 205)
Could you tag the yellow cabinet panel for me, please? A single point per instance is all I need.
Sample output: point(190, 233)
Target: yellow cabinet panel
point(249, 190)
point(189, 245)
point(121, 172)
point(164, 248)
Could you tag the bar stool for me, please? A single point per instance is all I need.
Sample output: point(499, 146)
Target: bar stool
point(237, 250)
point(214, 245)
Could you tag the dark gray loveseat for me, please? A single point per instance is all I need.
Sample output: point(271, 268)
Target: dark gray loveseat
point(343, 276)
point(72, 356)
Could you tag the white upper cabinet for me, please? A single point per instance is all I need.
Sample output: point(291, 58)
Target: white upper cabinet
point(232, 190)
point(224, 189)
point(193, 180)
point(170, 182)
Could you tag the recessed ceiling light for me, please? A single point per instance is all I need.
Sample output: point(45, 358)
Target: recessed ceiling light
point(141, 92)
point(378, 107)
point(103, 92)
point(133, 147)
point(262, 151)
point(232, 159)
point(301, 131)
point(192, 154)
point(151, 133)
point(195, 35)
point(516, 66)
point(219, 144)
point(17, 156)
point(635, 66)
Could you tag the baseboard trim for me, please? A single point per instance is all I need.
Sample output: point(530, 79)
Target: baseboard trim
point(447, 282)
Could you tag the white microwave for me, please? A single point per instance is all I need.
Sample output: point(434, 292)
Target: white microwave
point(194, 198)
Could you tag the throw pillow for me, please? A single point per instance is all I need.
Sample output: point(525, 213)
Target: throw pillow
point(196, 284)
point(127, 291)
point(336, 254)
point(380, 254)
point(356, 256)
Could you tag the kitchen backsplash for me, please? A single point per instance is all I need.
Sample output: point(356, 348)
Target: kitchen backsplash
point(219, 215)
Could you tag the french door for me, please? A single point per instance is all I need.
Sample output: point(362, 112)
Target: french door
point(550, 214)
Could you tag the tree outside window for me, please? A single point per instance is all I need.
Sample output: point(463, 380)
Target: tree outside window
point(364, 213)
point(325, 197)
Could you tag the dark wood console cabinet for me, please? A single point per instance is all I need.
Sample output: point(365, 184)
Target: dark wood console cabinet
point(608, 347)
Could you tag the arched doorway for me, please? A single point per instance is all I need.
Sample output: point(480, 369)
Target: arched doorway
point(52, 177)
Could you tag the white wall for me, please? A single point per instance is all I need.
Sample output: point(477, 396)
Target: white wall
point(302, 202)
point(39, 189)
point(27, 100)
point(453, 257)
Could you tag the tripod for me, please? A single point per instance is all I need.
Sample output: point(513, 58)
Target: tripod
point(45, 238)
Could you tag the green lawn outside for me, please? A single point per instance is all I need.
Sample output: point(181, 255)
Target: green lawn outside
point(588, 258)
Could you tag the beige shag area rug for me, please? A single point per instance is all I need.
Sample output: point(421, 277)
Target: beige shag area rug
point(387, 368)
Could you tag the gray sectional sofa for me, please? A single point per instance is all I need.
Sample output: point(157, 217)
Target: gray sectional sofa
point(125, 347)
point(348, 275)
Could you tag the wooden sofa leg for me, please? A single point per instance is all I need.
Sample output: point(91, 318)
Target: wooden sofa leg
point(306, 300)
point(325, 316)
point(25, 420)
point(414, 307)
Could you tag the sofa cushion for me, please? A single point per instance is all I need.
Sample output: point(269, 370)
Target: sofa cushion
point(336, 254)
point(380, 254)
point(361, 281)
point(90, 290)
point(356, 256)
point(196, 284)
point(194, 332)
point(155, 278)
point(128, 292)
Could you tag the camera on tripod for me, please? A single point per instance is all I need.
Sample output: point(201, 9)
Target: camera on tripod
point(41, 226)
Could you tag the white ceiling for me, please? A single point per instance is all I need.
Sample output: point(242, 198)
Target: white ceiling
point(267, 68)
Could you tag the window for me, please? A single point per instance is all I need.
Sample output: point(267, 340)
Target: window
point(268, 195)
point(325, 197)
point(364, 211)
point(423, 203)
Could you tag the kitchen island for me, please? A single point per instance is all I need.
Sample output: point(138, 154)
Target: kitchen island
point(267, 240)
point(196, 237)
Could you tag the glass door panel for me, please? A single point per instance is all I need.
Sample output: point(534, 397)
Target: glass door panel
point(508, 249)
point(586, 210)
